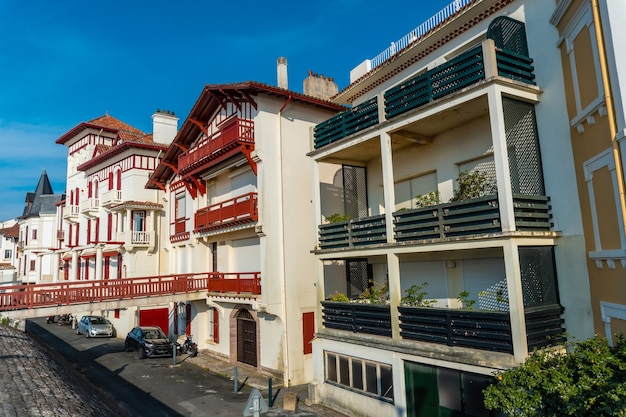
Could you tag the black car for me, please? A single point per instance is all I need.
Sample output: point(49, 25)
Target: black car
point(149, 341)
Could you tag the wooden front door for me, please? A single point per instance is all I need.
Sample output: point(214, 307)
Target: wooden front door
point(246, 338)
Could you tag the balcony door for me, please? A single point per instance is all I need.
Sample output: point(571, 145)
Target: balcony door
point(246, 338)
point(354, 191)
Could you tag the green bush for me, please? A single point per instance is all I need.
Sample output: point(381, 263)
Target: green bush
point(336, 218)
point(375, 294)
point(425, 200)
point(472, 184)
point(588, 381)
point(415, 295)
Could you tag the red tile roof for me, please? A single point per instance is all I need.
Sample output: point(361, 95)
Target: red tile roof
point(13, 231)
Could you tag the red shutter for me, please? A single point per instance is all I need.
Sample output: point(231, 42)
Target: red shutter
point(308, 331)
point(216, 325)
point(110, 181)
point(110, 227)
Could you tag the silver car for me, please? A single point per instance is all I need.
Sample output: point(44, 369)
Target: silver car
point(94, 326)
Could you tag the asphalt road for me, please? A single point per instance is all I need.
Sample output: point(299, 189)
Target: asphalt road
point(150, 387)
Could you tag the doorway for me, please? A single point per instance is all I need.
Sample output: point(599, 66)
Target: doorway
point(246, 338)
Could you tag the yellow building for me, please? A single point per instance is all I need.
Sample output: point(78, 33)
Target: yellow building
point(591, 66)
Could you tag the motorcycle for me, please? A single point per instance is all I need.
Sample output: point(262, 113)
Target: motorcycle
point(188, 346)
point(65, 319)
point(50, 319)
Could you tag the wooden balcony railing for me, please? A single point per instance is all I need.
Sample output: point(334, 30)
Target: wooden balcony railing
point(358, 232)
point(88, 291)
point(226, 141)
point(238, 210)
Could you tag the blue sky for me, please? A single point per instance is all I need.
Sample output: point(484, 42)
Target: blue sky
point(63, 62)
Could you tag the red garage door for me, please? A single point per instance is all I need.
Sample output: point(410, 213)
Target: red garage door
point(155, 317)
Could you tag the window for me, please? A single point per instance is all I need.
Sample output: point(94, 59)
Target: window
point(406, 191)
point(7, 254)
point(139, 221)
point(369, 378)
point(34, 235)
point(214, 325)
point(32, 265)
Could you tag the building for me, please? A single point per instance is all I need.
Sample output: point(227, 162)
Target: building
point(448, 245)
point(9, 235)
point(239, 209)
point(37, 238)
point(589, 37)
point(110, 224)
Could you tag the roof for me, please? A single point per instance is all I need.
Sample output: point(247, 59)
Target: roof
point(11, 232)
point(111, 124)
point(211, 98)
point(138, 205)
point(43, 200)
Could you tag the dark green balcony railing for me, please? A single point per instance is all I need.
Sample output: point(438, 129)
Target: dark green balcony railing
point(357, 318)
point(515, 66)
point(346, 123)
point(456, 74)
point(470, 217)
point(485, 330)
point(453, 327)
point(358, 232)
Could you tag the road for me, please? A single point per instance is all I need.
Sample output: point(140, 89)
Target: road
point(150, 387)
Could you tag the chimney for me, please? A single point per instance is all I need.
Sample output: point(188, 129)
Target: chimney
point(319, 86)
point(281, 67)
point(164, 126)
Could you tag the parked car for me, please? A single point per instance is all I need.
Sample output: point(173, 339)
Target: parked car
point(149, 341)
point(94, 326)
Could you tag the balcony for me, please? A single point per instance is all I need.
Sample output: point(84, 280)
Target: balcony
point(111, 198)
point(476, 329)
point(235, 282)
point(70, 213)
point(236, 211)
point(443, 221)
point(467, 69)
point(235, 137)
point(90, 207)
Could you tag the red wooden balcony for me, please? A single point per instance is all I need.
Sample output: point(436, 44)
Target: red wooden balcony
point(237, 136)
point(238, 210)
point(235, 282)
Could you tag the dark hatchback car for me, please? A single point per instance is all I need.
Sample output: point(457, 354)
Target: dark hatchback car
point(149, 341)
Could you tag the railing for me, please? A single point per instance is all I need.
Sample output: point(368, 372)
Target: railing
point(454, 75)
point(111, 197)
point(235, 282)
point(350, 233)
point(346, 123)
point(483, 330)
point(238, 132)
point(460, 72)
point(238, 210)
point(140, 237)
point(90, 204)
point(440, 17)
point(453, 327)
point(357, 318)
point(78, 292)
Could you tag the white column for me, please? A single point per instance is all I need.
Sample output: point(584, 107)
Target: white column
point(395, 292)
point(55, 267)
point(98, 262)
point(388, 188)
point(38, 268)
point(516, 300)
point(74, 267)
point(501, 159)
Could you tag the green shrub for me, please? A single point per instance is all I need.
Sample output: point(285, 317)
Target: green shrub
point(472, 184)
point(375, 294)
point(425, 200)
point(414, 296)
point(339, 296)
point(336, 218)
point(587, 381)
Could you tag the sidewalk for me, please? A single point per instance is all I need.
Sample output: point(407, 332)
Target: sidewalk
point(252, 379)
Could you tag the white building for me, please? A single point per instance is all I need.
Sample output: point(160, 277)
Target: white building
point(497, 263)
point(110, 221)
point(9, 235)
point(239, 210)
point(38, 224)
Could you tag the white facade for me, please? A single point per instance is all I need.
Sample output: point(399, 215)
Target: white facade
point(9, 234)
point(242, 211)
point(474, 117)
point(110, 221)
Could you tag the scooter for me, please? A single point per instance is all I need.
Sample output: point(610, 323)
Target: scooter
point(65, 319)
point(188, 346)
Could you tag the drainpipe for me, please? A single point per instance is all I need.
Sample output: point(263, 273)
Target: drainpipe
point(282, 252)
point(608, 99)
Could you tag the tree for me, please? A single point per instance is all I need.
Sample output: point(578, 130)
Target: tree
point(587, 381)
